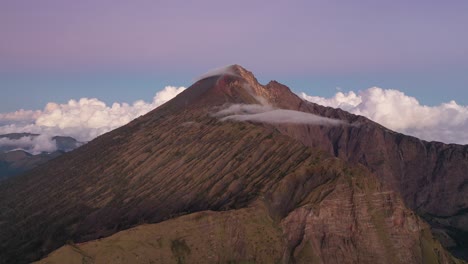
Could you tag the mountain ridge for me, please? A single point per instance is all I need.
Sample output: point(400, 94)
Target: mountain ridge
point(180, 158)
point(337, 143)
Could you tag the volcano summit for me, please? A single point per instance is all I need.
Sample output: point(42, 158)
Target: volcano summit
point(232, 171)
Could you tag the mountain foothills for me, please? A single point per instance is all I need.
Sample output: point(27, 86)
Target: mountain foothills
point(16, 157)
point(232, 171)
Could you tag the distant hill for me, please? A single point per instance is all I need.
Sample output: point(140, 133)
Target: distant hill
point(14, 159)
point(18, 135)
point(18, 161)
point(66, 143)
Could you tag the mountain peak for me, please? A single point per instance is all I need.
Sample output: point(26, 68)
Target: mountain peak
point(241, 71)
point(233, 84)
point(234, 70)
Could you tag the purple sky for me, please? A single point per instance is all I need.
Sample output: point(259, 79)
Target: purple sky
point(103, 48)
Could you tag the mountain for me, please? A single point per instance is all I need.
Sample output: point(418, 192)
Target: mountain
point(234, 171)
point(66, 143)
point(12, 137)
point(16, 159)
point(25, 141)
point(16, 136)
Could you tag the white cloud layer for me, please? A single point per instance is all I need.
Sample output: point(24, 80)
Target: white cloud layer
point(33, 145)
point(265, 113)
point(447, 122)
point(82, 119)
point(23, 116)
point(85, 119)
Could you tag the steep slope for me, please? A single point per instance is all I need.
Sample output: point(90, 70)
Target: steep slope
point(347, 218)
point(143, 176)
point(424, 173)
point(180, 159)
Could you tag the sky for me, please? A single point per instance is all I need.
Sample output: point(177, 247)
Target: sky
point(125, 51)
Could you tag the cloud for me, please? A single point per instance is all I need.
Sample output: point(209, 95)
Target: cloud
point(20, 116)
point(34, 145)
point(226, 70)
point(87, 118)
point(82, 119)
point(268, 114)
point(284, 116)
point(447, 122)
point(244, 109)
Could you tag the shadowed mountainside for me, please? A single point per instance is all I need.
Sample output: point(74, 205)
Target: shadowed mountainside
point(319, 192)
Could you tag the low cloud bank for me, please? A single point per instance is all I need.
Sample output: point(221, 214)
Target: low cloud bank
point(244, 109)
point(268, 114)
point(285, 116)
point(447, 122)
point(82, 119)
point(34, 145)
